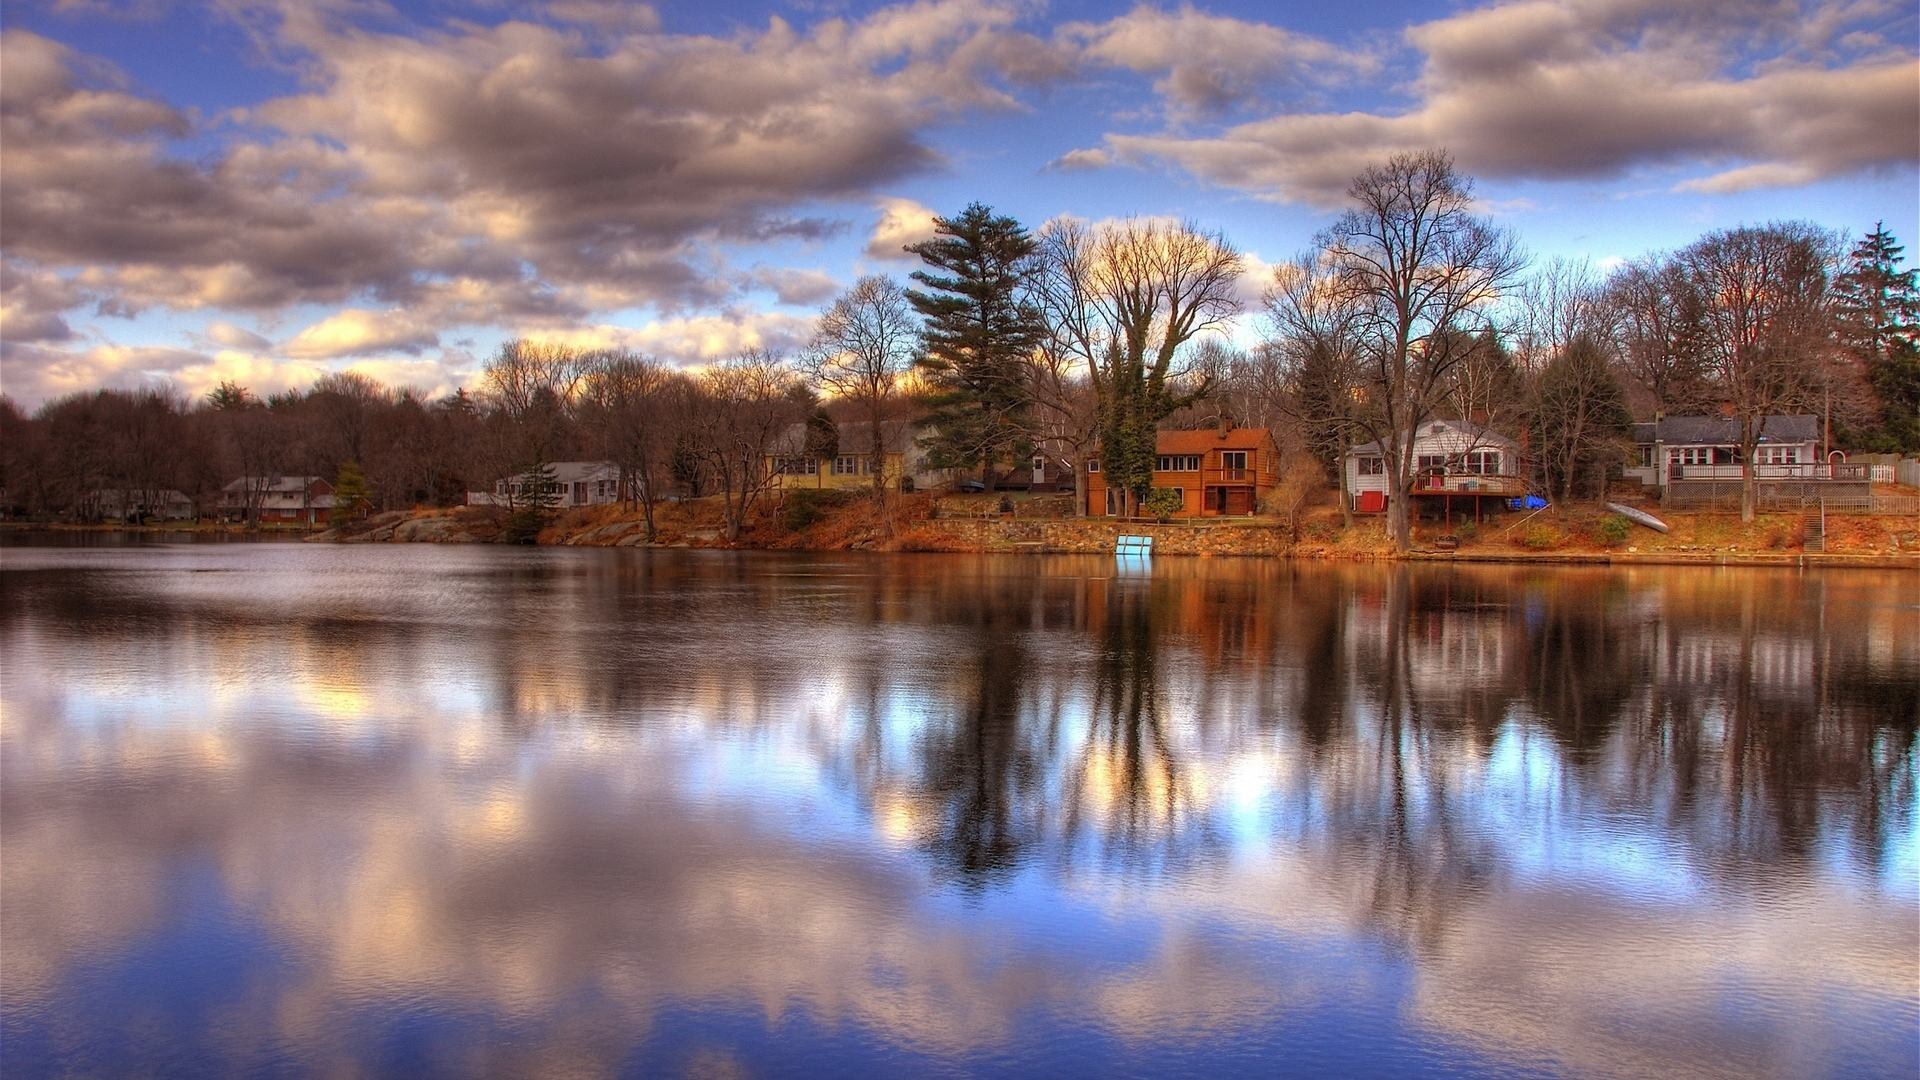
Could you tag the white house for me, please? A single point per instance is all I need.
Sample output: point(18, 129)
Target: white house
point(277, 498)
point(133, 504)
point(574, 483)
point(1452, 459)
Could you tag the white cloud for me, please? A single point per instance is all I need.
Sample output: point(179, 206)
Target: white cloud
point(356, 332)
point(901, 222)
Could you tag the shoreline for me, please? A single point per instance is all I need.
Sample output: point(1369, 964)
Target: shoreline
point(999, 537)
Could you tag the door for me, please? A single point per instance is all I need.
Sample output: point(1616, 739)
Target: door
point(1039, 470)
point(1238, 502)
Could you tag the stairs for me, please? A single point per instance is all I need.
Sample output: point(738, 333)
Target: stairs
point(1815, 522)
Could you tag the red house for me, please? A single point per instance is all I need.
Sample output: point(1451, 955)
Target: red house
point(1219, 472)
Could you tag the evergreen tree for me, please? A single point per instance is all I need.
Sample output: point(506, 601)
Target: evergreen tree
point(1877, 320)
point(823, 437)
point(350, 493)
point(980, 335)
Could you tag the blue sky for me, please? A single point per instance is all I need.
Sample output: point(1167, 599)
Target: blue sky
point(267, 190)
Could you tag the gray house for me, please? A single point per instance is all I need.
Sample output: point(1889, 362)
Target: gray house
point(1698, 458)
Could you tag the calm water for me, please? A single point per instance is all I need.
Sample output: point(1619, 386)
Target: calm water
point(419, 810)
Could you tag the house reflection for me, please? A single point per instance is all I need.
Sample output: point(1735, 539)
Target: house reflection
point(654, 782)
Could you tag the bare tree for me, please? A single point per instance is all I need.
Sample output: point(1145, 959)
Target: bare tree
point(1763, 298)
point(867, 342)
point(532, 388)
point(1580, 412)
point(1418, 275)
point(1561, 300)
point(1656, 322)
point(1125, 299)
point(624, 405)
point(746, 403)
point(1318, 359)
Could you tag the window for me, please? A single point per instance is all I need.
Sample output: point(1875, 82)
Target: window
point(1093, 465)
point(846, 465)
point(1779, 455)
point(1431, 463)
point(1178, 463)
point(1646, 457)
point(1690, 455)
point(1233, 460)
point(1481, 463)
point(1373, 466)
point(797, 466)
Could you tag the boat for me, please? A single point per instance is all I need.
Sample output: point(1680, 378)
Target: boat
point(1638, 517)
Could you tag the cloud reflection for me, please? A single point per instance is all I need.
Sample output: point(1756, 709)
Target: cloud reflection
point(954, 806)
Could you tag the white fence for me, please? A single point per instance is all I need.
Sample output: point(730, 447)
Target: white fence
point(1908, 472)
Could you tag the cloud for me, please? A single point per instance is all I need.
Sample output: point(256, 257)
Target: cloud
point(31, 303)
point(607, 16)
point(507, 173)
point(1556, 91)
point(902, 222)
point(1207, 63)
point(1081, 160)
point(355, 332)
point(697, 340)
point(793, 286)
point(235, 337)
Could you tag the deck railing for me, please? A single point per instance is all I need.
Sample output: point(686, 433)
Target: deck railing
point(1805, 470)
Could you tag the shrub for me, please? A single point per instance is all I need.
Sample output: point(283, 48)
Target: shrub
point(1163, 503)
point(1540, 538)
point(1466, 531)
point(808, 505)
point(1614, 530)
point(523, 525)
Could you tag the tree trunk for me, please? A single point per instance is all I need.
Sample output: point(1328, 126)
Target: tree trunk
point(1399, 525)
point(1346, 497)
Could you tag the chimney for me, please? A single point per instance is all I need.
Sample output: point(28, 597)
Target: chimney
point(1226, 425)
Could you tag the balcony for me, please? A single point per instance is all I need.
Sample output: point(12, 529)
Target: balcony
point(1494, 484)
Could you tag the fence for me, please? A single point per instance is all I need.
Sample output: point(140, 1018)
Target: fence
point(1908, 472)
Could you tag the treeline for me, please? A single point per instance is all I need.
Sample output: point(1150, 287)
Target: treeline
point(1008, 343)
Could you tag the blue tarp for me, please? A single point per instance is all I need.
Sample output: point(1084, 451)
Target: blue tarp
point(1531, 502)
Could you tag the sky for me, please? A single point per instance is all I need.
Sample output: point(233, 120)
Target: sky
point(269, 190)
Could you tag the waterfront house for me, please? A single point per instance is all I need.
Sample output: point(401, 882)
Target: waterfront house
point(1218, 471)
point(570, 484)
point(277, 499)
point(136, 505)
point(1457, 464)
point(849, 467)
point(1693, 459)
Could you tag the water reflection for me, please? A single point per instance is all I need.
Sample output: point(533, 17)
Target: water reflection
point(457, 810)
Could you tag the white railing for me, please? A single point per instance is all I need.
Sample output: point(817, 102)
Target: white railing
point(1800, 471)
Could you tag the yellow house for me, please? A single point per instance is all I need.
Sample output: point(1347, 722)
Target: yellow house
point(851, 468)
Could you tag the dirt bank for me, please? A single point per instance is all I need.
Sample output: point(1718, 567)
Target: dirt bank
point(924, 523)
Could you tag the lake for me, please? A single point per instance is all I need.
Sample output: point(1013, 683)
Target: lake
point(415, 810)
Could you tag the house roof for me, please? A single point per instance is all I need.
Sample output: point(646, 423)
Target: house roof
point(1723, 431)
point(1201, 440)
point(854, 436)
point(272, 483)
point(1484, 436)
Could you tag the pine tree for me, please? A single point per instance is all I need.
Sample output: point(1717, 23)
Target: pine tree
point(980, 335)
point(350, 493)
point(1877, 321)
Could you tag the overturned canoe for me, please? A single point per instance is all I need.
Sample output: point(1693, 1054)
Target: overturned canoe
point(1638, 517)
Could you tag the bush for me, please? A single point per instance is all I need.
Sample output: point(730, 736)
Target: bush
point(1540, 538)
point(523, 525)
point(1466, 531)
point(1163, 503)
point(806, 506)
point(1614, 530)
